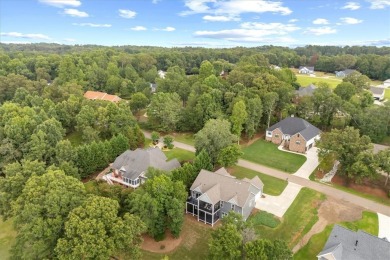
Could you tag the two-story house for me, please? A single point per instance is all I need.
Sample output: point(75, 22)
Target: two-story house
point(214, 194)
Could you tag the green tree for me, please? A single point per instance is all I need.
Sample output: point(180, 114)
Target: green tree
point(229, 155)
point(94, 231)
point(155, 137)
point(269, 103)
point(238, 118)
point(168, 141)
point(383, 161)
point(138, 101)
point(206, 69)
point(203, 161)
point(214, 136)
point(255, 111)
point(41, 211)
point(164, 110)
point(345, 90)
point(226, 243)
point(257, 249)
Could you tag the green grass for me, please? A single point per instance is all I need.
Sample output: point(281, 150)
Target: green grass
point(387, 94)
point(180, 154)
point(186, 138)
point(272, 186)
point(194, 245)
point(386, 140)
point(265, 219)
point(7, 238)
point(305, 80)
point(368, 223)
point(297, 221)
point(267, 153)
point(75, 138)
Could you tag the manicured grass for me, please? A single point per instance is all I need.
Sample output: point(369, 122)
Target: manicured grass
point(75, 138)
point(194, 245)
point(180, 154)
point(368, 223)
point(265, 219)
point(272, 186)
point(186, 138)
point(297, 221)
point(386, 140)
point(267, 153)
point(387, 94)
point(7, 238)
point(305, 80)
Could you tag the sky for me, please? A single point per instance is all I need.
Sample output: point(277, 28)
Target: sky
point(205, 23)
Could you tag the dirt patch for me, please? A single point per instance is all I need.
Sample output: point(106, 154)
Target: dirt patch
point(375, 188)
point(165, 246)
point(331, 211)
point(246, 142)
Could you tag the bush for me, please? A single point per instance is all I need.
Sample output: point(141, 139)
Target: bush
point(265, 219)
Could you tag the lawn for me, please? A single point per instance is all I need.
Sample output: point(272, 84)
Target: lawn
point(272, 186)
point(194, 245)
point(7, 237)
point(186, 138)
point(180, 154)
point(75, 138)
point(298, 220)
point(368, 223)
point(386, 140)
point(387, 94)
point(305, 80)
point(267, 153)
point(265, 219)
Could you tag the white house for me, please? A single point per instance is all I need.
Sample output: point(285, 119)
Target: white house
point(161, 74)
point(386, 83)
point(306, 70)
point(378, 93)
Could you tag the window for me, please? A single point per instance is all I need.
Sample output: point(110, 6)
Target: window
point(197, 195)
point(298, 142)
point(224, 214)
point(221, 204)
point(232, 207)
point(276, 135)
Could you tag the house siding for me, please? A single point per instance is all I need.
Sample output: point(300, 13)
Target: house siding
point(227, 208)
point(276, 139)
point(301, 147)
point(247, 209)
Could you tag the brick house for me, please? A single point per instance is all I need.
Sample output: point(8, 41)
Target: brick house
point(297, 134)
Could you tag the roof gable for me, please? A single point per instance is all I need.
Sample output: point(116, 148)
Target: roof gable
point(294, 125)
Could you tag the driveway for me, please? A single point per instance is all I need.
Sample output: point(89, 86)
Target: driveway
point(278, 205)
point(384, 226)
point(310, 165)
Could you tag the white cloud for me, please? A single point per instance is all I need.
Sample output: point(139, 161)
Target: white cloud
point(320, 30)
point(293, 20)
point(61, 3)
point(37, 36)
point(168, 29)
point(320, 21)
point(234, 8)
point(379, 4)
point(127, 13)
point(220, 18)
point(75, 13)
point(138, 28)
point(254, 32)
point(93, 24)
point(351, 6)
point(350, 20)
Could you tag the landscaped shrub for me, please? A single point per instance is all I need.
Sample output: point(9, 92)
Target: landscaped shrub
point(265, 218)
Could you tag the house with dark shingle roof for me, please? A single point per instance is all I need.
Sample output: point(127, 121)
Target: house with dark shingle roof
point(214, 194)
point(346, 244)
point(378, 93)
point(306, 91)
point(130, 167)
point(297, 134)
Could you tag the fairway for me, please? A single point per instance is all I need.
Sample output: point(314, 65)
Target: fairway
point(267, 153)
point(305, 80)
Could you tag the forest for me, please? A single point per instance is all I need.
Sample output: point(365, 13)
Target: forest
point(224, 95)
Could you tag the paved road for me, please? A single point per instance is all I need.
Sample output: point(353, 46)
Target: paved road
point(323, 188)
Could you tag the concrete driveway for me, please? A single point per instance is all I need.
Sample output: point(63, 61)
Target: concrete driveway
point(278, 205)
point(384, 226)
point(309, 166)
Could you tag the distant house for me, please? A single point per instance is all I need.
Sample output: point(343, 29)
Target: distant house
point(214, 194)
point(297, 134)
point(386, 83)
point(343, 73)
point(130, 167)
point(306, 70)
point(345, 244)
point(153, 87)
point(275, 67)
point(378, 93)
point(306, 91)
point(161, 74)
point(96, 95)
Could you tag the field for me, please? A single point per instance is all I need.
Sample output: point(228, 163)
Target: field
point(387, 94)
point(305, 80)
point(298, 220)
point(368, 223)
point(272, 186)
point(7, 238)
point(267, 153)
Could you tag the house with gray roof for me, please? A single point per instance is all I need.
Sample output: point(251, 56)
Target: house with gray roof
point(346, 244)
point(130, 167)
point(214, 194)
point(306, 91)
point(378, 93)
point(305, 70)
point(295, 133)
point(343, 73)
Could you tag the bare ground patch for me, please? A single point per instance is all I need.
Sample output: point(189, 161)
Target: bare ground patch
point(331, 211)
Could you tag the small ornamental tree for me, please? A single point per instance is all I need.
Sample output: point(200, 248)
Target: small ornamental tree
point(155, 137)
point(168, 141)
